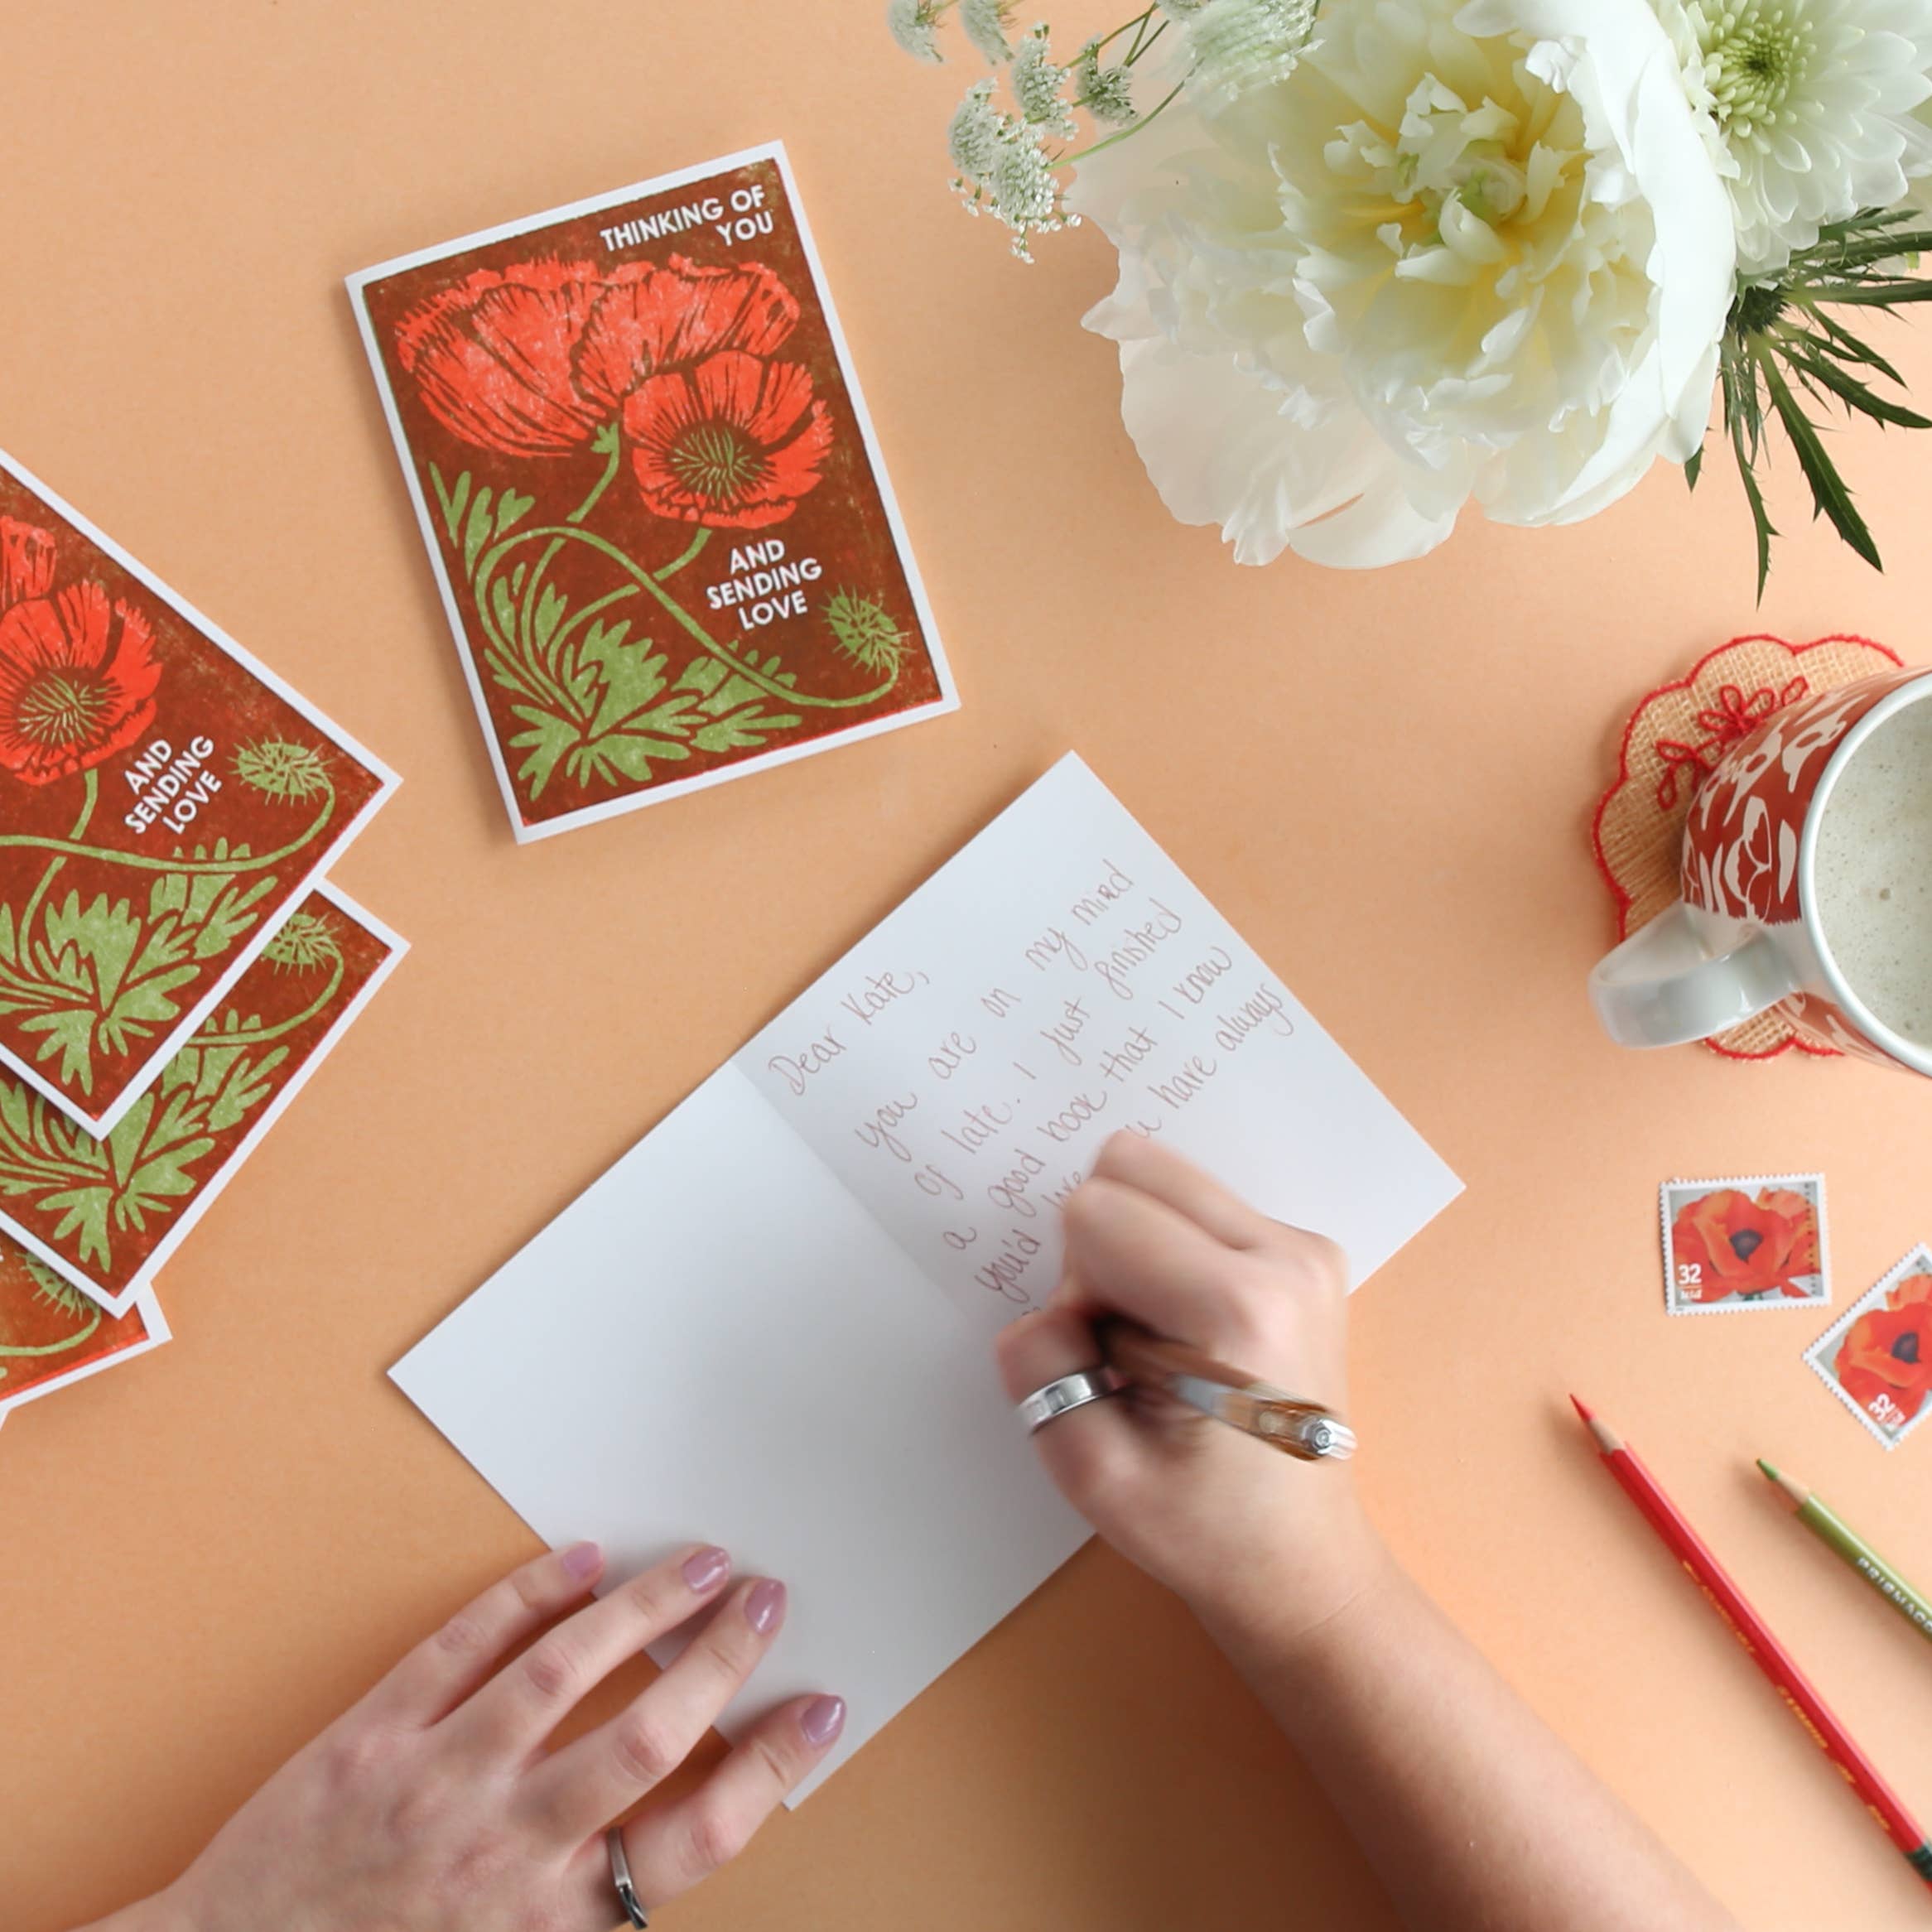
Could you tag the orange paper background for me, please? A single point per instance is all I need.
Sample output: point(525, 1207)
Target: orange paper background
point(1384, 781)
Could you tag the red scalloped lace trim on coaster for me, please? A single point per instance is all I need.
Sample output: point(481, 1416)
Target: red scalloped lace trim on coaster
point(1670, 745)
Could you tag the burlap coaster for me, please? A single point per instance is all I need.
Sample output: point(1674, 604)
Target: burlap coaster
point(1671, 743)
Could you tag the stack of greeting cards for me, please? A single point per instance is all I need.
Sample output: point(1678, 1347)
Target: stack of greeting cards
point(173, 962)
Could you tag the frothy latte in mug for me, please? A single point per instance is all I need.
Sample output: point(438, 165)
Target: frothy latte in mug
point(1873, 874)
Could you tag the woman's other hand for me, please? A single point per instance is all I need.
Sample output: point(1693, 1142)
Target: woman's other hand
point(436, 1804)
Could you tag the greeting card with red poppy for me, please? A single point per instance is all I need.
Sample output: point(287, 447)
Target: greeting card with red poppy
point(105, 1214)
point(651, 492)
point(1877, 1358)
point(1754, 1243)
point(52, 1334)
point(165, 801)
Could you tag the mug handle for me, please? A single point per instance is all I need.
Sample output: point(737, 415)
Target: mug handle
point(1660, 988)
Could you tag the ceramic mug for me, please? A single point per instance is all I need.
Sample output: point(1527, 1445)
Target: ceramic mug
point(1746, 934)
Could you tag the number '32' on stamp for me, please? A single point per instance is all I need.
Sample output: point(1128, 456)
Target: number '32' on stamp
point(1877, 1358)
point(1757, 1242)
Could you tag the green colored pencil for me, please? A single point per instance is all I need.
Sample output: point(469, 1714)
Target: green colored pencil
point(1836, 1535)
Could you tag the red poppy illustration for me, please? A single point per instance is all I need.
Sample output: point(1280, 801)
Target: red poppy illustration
point(26, 562)
point(1887, 1355)
point(1740, 1245)
point(734, 443)
point(77, 681)
point(651, 318)
point(535, 358)
point(493, 357)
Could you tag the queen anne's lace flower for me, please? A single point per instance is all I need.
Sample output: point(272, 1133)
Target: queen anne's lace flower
point(1003, 170)
point(985, 22)
point(1024, 191)
point(1106, 93)
point(1240, 45)
point(1813, 102)
point(973, 139)
point(914, 24)
point(1037, 87)
point(1462, 250)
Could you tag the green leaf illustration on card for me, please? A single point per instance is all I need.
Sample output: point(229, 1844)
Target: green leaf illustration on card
point(82, 977)
point(86, 1197)
point(63, 1298)
point(592, 700)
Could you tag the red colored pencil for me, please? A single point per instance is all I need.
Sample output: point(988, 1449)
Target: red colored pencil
point(1766, 1651)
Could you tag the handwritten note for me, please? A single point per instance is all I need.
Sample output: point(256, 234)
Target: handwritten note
point(1060, 980)
point(767, 1325)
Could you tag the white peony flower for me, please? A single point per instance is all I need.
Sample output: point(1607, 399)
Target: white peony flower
point(1461, 251)
point(1813, 103)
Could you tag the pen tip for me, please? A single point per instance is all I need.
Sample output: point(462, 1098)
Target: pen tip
point(1771, 1473)
point(1583, 1408)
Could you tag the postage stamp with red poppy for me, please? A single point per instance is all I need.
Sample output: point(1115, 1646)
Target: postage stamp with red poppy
point(52, 1334)
point(1877, 1358)
point(1755, 1242)
point(165, 803)
point(651, 492)
point(104, 1215)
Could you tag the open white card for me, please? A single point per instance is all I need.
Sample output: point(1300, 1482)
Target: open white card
point(768, 1325)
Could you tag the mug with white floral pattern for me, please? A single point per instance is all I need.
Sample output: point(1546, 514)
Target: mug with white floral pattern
point(1746, 935)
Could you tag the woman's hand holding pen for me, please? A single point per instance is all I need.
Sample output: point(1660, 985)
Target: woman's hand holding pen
point(1220, 1519)
point(1476, 1818)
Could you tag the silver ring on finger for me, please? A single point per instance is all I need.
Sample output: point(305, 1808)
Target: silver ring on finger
point(1065, 1393)
point(627, 1893)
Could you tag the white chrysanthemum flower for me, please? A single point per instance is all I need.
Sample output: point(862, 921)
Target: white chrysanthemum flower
point(1240, 45)
point(1813, 102)
point(914, 24)
point(985, 22)
point(1037, 87)
point(1106, 93)
point(1464, 251)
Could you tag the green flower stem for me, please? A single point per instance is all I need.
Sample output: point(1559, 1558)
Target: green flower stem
point(626, 590)
point(679, 615)
point(603, 482)
point(577, 516)
point(695, 548)
point(257, 1036)
point(11, 1349)
point(1114, 140)
point(80, 825)
point(72, 849)
point(1136, 27)
point(1143, 40)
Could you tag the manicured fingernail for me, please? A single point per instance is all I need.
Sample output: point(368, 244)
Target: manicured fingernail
point(765, 1605)
point(822, 1720)
point(705, 1569)
point(582, 1560)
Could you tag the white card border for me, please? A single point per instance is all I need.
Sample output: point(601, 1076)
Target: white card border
point(158, 1332)
point(184, 1225)
point(103, 1124)
point(948, 698)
